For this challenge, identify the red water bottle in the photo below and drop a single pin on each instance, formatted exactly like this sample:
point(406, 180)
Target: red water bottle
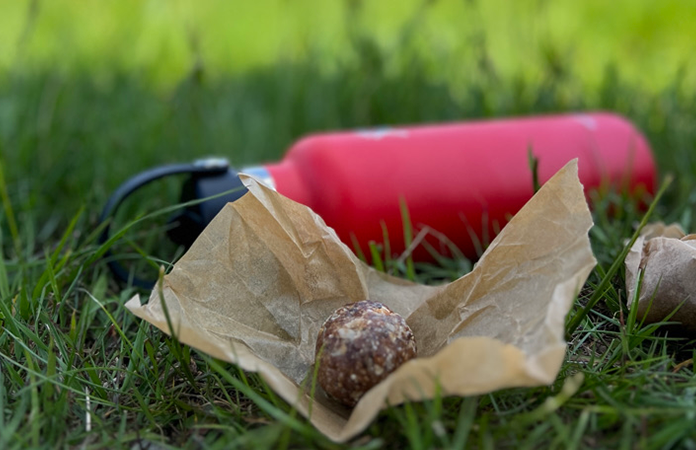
point(459, 180)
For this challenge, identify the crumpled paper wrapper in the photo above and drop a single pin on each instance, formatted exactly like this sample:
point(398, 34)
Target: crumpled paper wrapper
point(258, 283)
point(668, 259)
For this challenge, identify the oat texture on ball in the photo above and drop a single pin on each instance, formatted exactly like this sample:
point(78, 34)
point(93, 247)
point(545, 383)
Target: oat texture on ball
point(359, 346)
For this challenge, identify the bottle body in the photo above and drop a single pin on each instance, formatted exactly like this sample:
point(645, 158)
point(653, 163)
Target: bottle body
point(462, 181)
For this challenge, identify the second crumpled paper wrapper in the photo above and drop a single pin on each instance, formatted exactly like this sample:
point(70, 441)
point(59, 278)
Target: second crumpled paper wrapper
point(667, 257)
point(264, 275)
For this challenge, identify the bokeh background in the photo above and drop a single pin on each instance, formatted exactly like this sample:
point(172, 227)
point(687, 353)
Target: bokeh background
point(92, 92)
point(160, 41)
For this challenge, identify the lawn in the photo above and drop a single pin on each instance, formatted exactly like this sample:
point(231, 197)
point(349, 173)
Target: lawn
point(139, 84)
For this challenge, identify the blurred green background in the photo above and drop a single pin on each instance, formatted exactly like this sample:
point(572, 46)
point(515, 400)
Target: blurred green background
point(160, 40)
point(92, 92)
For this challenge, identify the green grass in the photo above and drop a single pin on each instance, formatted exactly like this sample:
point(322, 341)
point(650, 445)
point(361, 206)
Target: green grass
point(78, 371)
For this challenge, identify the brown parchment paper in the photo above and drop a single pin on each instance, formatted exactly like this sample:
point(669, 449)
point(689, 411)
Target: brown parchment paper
point(668, 259)
point(260, 280)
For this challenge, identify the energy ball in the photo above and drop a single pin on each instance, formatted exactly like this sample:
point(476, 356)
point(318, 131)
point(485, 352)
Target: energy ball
point(359, 346)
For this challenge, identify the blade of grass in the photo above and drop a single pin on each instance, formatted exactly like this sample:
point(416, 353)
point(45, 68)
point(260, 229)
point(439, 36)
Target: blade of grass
point(262, 403)
point(465, 422)
point(356, 248)
point(408, 238)
point(9, 211)
point(376, 257)
point(174, 344)
point(35, 404)
point(387, 246)
point(534, 167)
point(8, 432)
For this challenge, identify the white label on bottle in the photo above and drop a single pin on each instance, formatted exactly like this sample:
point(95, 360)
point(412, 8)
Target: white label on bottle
point(376, 134)
point(587, 121)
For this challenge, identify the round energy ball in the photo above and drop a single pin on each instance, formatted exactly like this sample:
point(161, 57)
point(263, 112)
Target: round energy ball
point(359, 346)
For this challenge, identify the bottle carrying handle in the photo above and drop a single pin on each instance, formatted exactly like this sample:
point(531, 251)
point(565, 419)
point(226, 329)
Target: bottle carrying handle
point(211, 167)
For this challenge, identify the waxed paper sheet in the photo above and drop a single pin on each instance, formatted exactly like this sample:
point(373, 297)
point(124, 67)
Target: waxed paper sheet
point(260, 280)
point(667, 257)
